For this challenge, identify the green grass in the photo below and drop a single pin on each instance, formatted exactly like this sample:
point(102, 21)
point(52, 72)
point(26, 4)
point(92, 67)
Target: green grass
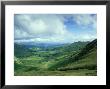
point(33, 67)
point(88, 61)
point(52, 63)
point(81, 72)
point(84, 67)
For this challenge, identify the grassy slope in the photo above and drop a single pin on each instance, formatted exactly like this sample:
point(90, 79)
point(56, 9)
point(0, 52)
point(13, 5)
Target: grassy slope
point(70, 58)
point(89, 62)
point(65, 65)
point(20, 51)
point(74, 69)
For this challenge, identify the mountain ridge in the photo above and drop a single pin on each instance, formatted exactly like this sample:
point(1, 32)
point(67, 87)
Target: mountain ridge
point(76, 57)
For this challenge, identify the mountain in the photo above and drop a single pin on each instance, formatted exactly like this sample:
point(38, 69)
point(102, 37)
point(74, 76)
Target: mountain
point(78, 58)
point(76, 46)
point(86, 58)
point(26, 49)
point(41, 45)
point(21, 51)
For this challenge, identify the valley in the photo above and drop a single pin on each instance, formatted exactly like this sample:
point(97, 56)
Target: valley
point(75, 59)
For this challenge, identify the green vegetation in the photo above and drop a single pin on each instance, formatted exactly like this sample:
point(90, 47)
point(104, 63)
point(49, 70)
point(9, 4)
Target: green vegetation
point(76, 59)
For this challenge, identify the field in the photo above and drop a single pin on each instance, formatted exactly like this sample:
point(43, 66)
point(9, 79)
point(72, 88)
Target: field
point(75, 59)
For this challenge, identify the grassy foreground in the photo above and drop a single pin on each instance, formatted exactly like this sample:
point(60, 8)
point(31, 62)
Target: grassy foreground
point(82, 63)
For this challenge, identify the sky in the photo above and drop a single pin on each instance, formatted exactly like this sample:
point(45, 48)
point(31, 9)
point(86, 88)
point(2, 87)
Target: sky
point(55, 28)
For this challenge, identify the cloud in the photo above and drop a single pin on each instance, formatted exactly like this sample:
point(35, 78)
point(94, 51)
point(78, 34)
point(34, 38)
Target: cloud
point(86, 20)
point(44, 25)
point(50, 27)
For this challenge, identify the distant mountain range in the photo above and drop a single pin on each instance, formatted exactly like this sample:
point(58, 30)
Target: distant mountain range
point(23, 49)
point(35, 44)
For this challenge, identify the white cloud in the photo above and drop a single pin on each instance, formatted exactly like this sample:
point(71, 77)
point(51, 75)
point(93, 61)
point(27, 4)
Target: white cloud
point(20, 34)
point(49, 28)
point(85, 20)
point(45, 25)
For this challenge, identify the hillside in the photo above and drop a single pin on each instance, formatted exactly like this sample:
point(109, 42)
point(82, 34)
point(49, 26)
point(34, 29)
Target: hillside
point(86, 62)
point(85, 59)
point(79, 58)
point(50, 52)
point(21, 51)
point(68, 48)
